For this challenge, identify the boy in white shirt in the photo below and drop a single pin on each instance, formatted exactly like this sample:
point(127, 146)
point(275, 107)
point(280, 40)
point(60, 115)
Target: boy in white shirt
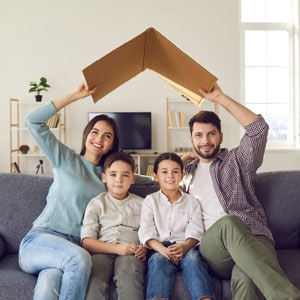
point(171, 226)
point(110, 233)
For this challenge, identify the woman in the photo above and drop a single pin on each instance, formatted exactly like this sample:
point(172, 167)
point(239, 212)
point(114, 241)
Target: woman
point(52, 248)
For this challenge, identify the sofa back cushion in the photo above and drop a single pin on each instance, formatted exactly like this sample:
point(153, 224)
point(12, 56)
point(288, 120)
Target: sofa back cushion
point(22, 198)
point(279, 193)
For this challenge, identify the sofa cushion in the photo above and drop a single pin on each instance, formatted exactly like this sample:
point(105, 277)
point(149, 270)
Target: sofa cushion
point(289, 260)
point(15, 284)
point(2, 246)
point(16, 218)
point(282, 205)
point(144, 189)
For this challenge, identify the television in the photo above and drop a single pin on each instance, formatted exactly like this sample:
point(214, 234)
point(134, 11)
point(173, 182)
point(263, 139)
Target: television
point(134, 127)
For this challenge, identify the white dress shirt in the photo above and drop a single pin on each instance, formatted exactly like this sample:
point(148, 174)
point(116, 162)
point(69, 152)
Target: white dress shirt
point(174, 222)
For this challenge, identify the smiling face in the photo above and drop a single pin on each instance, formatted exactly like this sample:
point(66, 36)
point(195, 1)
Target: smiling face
point(206, 140)
point(168, 175)
point(99, 141)
point(118, 178)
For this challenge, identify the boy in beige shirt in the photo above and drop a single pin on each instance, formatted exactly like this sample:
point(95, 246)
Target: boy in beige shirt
point(110, 234)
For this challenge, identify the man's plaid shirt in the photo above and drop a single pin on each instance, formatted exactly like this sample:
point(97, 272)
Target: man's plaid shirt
point(233, 173)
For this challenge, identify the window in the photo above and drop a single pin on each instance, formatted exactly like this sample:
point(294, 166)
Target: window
point(270, 41)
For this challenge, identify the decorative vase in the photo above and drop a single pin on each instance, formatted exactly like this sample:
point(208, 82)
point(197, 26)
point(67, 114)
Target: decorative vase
point(24, 149)
point(38, 98)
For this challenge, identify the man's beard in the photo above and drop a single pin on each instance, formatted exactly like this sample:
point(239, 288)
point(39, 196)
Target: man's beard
point(209, 155)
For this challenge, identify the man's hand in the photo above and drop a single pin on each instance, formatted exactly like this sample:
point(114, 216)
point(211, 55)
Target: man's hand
point(188, 155)
point(214, 94)
point(242, 114)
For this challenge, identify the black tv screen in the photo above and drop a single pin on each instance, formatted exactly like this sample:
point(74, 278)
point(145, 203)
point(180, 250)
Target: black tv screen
point(134, 128)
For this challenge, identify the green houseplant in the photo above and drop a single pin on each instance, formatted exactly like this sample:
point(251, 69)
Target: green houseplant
point(37, 88)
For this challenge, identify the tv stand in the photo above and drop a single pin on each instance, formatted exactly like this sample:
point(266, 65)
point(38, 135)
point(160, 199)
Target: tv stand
point(131, 152)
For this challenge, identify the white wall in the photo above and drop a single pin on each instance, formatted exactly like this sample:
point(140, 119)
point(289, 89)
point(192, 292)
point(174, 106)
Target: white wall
point(57, 39)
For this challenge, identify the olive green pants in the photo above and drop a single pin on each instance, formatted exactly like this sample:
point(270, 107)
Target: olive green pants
point(232, 251)
point(126, 271)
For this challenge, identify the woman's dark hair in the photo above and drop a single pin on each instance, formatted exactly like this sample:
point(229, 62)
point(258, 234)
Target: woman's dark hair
point(90, 125)
point(122, 156)
point(204, 116)
point(167, 156)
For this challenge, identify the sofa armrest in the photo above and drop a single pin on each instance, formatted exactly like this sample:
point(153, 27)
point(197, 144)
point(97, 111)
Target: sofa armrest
point(2, 247)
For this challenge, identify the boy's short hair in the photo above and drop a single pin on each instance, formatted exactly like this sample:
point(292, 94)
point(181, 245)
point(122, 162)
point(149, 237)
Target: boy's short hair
point(167, 156)
point(205, 116)
point(125, 157)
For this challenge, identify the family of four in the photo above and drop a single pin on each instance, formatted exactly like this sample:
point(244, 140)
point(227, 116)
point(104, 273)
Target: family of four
point(205, 214)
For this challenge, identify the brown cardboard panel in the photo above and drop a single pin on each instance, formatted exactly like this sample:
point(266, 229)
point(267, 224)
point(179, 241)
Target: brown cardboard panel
point(149, 50)
point(195, 98)
point(117, 67)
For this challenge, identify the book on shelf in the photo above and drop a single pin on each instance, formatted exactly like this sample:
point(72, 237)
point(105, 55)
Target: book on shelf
point(176, 119)
point(53, 121)
point(181, 119)
point(136, 168)
point(149, 170)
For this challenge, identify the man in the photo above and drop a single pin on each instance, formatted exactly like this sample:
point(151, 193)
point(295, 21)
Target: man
point(237, 242)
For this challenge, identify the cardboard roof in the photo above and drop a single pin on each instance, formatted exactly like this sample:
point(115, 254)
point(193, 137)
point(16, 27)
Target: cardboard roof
point(149, 50)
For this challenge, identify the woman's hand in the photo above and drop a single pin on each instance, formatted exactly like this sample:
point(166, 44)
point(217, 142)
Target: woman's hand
point(83, 91)
point(80, 92)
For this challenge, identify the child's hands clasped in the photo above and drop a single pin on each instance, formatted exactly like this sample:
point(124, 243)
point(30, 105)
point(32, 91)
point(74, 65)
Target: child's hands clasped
point(174, 252)
point(126, 249)
point(178, 250)
point(139, 251)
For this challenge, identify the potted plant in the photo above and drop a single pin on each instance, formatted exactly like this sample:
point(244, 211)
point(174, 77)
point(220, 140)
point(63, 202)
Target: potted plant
point(43, 85)
point(24, 149)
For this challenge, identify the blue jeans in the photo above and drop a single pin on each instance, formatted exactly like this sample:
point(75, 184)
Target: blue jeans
point(161, 275)
point(63, 267)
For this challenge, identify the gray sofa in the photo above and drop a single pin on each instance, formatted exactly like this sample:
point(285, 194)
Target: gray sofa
point(22, 198)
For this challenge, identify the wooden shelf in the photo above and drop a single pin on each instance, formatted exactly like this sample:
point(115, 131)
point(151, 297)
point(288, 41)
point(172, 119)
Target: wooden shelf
point(19, 134)
point(144, 161)
point(179, 111)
